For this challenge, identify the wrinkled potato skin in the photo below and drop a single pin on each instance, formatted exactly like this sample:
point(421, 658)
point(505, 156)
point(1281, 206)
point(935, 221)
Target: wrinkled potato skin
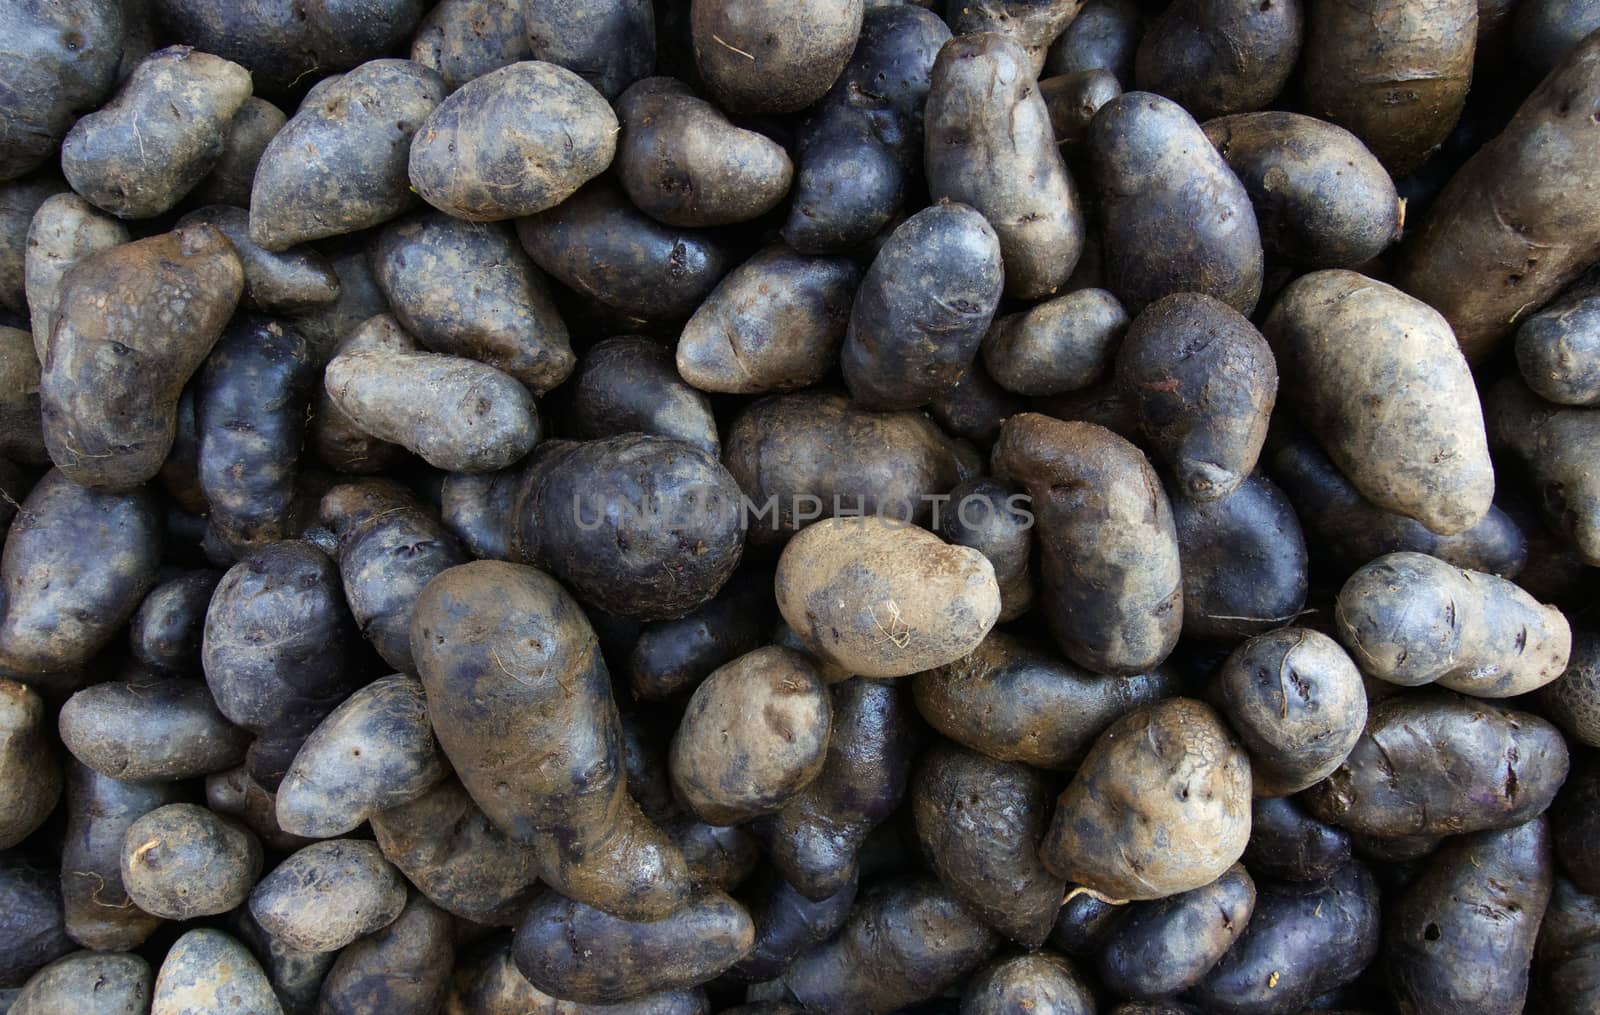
point(207, 971)
point(76, 564)
point(516, 141)
point(182, 861)
point(1243, 560)
point(327, 895)
point(1373, 375)
point(1108, 549)
point(62, 61)
point(144, 150)
point(989, 144)
point(1572, 700)
point(21, 432)
point(1031, 24)
point(772, 58)
point(991, 517)
point(165, 631)
point(30, 770)
point(1163, 948)
point(63, 231)
point(98, 913)
point(1434, 763)
point(1161, 805)
point(255, 124)
point(1288, 844)
point(1216, 57)
point(294, 281)
point(1040, 983)
point(671, 657)
point(1411, 619)
point(88, 984)
point(1158, 176)
point(1060, 345)
point(296, 976)
point(611, 43)
point(629, 385)
point(403, 968)
point(787, 924)
point(1554, 447)
point(109, 418)
point(145, 729)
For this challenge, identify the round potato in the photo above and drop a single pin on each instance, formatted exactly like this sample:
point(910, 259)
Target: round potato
point(328, 894)
point(772, 58)
point(182, 861)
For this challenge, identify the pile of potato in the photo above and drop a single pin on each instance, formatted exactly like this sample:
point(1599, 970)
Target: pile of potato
point(837, 506)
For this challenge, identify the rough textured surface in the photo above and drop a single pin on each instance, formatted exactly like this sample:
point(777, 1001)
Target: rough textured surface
point(403, 968)
point(181, 862)
point(328, 894)
point(1041, 983)
point(206, 972)
point(629, 385)
point(62, 59)
point(1056, 346)
point(146, 728)
point(1163, 948)
point(772, 58)
point(1553, 445)
point(64, 230)
point(30, 768)
point(88, 984)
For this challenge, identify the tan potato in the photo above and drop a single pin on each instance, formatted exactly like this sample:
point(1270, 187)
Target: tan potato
point(340, 442)
point(64, 230)
point(207, 971)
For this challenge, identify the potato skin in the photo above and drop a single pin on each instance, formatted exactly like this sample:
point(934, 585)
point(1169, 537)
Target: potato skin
point(97, 912)
point(88, 983)
point(207, 970)
point(476, 508)
point(1556, 347)
point(1161, 805)
point(182, 861)
point(1164, 947)
point(787, 924)
point(1411, 619)
point(1434, 763)
point(1158, 177)
point(1216, 57)
point(1288, 844)
point(1552, 444)
point(1572, 700)
point(922, 308)
point(989, 145)
point(65, 61)
point(486, 982)
point(466, 39)
point(75, 566)
point(19, 200)
point(1372, 374)
point(290, 282)
point(683, 950)
point(30, 769)
point(328, 894)
point(146, 728)
point(236, 794)
point(1572, 826)
point(64, 230)
point(629, 385)
point(1104, 36)
point(1043, 983)
point(403, 968)
point(611, 43)
point(774, 58)
point(1243, 561)
point(1110, 589)
point(1461, 936)
point(1060, 345)
point(1073, 99)
point(228, 183)
point(108, 419)
point(21, 424)
point(991, 517)
point(672, 657)
point(166, 629)
point(1031, 24)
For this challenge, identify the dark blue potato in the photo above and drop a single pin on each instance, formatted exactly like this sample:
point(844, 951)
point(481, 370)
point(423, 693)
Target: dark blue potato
point(992, 517)
point(1288, 844)
point(1302, 940)
point(328, 894)
point(1063, 344)
point(476, 508)
point(861, 145)
point(97, 911)
point(923, 308)
point(61, 59)
point(1104, 36)
point(671, 657)
point(166, 630)
point(1038, 984)
point(1085, 922)
point(629, 385)
point(1216, 57)
point(1575, 825)
point(787, 924)
point(228, 183)
point(466, 39)
point(1545, 31)
point(1243, 559)
point(1162, 948)
point(486, 982)
point(772, 58)
point(147, 728)
point(1073, 100)
point(1558, 348)
point(31, 930)
point(611, 43)
point(403, 969)
point(75, 566)
point(182, 861)
point(296, 976)
point(975, 408)
point(1567, 960)
point(294, 281)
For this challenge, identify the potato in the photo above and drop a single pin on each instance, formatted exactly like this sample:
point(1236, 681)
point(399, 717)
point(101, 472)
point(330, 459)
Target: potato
point(147, 728)
point(236, 794)
point(611, 43)
point(772, 59)
point(906, 942)
point(361, 128)
point(21, 432)
point(990, 146)
point(1216, 57)
point(465, 39)
point(640, 526)
point(63, 59)
point(922, 308)
point(166, 629)
point(813, 841)
point(1060, 345)
point(1556, 347)
point(860, 148)
point(1461, 936)
point(1550, 444)
point(1321, 198)
point(1372, 373)
point(253, 125)
point(1162, 948)
point(1411, 619)
point(682, 163)
point(1085, 922)
point(978, 823)
point(476, 508)
point(1347, 530)
point(600, 245)
point(520, 701)
point(457, 414)
point(19, 201)
point(1434, 763)
point(672, 657)
point(629, 385)
point(89, 984)
point(1072, 100)
point(787, 924)
point(1151, 165)
point(465, 289)
point(1545, 32)
point(817, 454)
point(207, 971)
point(108, 418)
point(31, 919)
point(296, 976)
point(515, 141)
point(719, 857)
point(159, 137)
point(1031, 24)
point(278, 650)
point(1572, 700)
point(1042, 983)
point(1104, 36)
point(1243, 561)
point(693, 945)
point(64, 230)
point(992, 518)
point(290, 282)
point(456, 857)
point(97, 911)
point(1161, 805)
point(1110, 587)
point(328, 894)
point(1565, 959)
point(76, 564)
point(30, 772)
point(774, 323)
point(1288, 844)
point(182, 861)
point(486, 982)
point(359, 300)
point(1315, 937)
point(1572, 821)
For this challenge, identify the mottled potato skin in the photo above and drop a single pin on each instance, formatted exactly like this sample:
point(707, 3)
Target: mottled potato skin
point(1041, 983)
point(328, 894)
point(238, 795)
point(1243, 560)
point(1294, 740)
point(515, 141)
point(1461, 937)
point(1395, 74)
point(1059, 345)
point(296, 976)
point(146, 728)
point(148, 147)
point(1554, 447)
point(990, 145)
point(906, 942)
point(1434, 763)
point(466, 39)
point(135, 322)
point(979, 822)
point(182, 861)
point(62, 60)
point(96, 908)
point(629, 385)
point(75, 566)
point(1161, 805)
point(813, 841)
point(403, 968)
point(1216, 57)
point(1373, 374)
point(1031, 24)
point(1412, 619)
point(253, 125)
point(787, 924)
point(208, 971)
point(521, 703)
point(290, 282)
point(361, 126)
point(1158, 177)
point(89, 984)
point(1315, 936)
point(772, 58)
point(1288, 844)
point(21, 433)
point(1557, 348)
point(64, 230)
point(1108, 550)
point(1321, 198)
point(30, 772)
point(611, 43)
point(922, 308)
point(557, 937)
point(340, 443)
point(1162, 948)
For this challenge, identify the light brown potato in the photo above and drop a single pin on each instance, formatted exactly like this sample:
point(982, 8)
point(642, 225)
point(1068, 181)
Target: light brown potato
point(340, 442)
point(30, 766)
point(64, 230)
